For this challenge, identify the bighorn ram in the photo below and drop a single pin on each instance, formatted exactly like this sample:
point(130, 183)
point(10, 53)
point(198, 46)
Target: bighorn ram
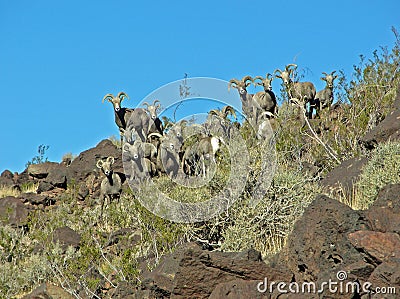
point(304, 92)
point(111, 185)
point(220, 124)
point(324, 97)
point(266, 99)
point(155, 124)
point(121, 114)
point(136, 119)
point(201, 154)
point(248, 104)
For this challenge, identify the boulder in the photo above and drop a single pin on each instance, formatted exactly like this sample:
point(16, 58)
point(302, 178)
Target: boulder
point(238, 289)
point(40, 171)
point(85, 164)
point(48, 291)
point(379, 246)
point(388, 129)
point(343, 176)
point(7, 179)
point(318, 245)
point(191, 272)
point(66, 237)
point(13, 211)
point(384, 213)
point(35, 199)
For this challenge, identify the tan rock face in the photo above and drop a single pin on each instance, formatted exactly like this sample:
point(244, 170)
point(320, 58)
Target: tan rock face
point(381, 246)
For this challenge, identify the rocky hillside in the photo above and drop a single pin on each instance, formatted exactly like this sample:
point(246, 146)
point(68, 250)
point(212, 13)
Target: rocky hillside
point(328, 227)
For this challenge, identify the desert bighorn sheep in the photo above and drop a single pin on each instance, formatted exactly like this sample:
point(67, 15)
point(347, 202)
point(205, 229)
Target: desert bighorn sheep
point(155, 124)
point(111, 185)
point(266, 99)
point(304, 92)
point(220, 124)
point(324, 97)
point(138, 167)
point(121, 114)
point(168, 154)
point(201, 154)
point(248, 104)
point(136, 119)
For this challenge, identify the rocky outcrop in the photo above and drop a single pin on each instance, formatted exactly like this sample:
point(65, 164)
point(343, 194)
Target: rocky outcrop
point(191, 272)
point(388, 129)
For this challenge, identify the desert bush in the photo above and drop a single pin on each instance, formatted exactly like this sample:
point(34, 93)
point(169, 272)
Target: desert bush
point(266, 226)
point(383, 168)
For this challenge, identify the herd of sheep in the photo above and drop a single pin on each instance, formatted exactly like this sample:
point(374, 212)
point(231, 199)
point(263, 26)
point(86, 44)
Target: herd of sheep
point(151, 147)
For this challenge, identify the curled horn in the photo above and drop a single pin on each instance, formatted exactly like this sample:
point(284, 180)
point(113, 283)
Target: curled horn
point(233, 81)
point(269, 76)
point(155, 134)
point(247, 78)
point(258, 78)
point(98, 164)
point(158, 106)
point(278, 71)
point(214, 112)
point(326, 74)
point(290, 65)
point(122, 95)
point(183, 121)
point(229, 109)
point(146, 104)
point(108, 96)
point(110, 160)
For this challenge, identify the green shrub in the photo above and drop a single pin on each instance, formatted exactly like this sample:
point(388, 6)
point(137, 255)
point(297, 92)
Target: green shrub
point(383, 168)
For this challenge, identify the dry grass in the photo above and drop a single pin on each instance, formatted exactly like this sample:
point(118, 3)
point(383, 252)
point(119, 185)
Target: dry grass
point(11, 191)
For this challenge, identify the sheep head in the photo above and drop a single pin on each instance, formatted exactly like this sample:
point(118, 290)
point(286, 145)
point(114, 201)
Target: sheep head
point(329, 78)
point(240, 85)
point(134, 151)
point(285, 75)
point(152, 109)
point(116, 101)
point(266, 83)
point(105, 166)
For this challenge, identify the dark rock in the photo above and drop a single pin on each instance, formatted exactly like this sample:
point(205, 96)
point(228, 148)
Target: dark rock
point(13, 211)
point(48, 291)
point(380, 246)
point(35, 199)
point(44, 187)
point(41, 170)
point(85, 164)
point(343, 177)
point(388, 129)
point(58, 177)
point(318, 244)
point(384, 213)
point(66, 237)
point(359, 270)
point(194, 273)
point(123, 290)
point(238, 289)
point(386, 275)
point(7, 179)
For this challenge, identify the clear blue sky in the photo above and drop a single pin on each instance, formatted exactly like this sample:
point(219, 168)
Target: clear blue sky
point(59, 58)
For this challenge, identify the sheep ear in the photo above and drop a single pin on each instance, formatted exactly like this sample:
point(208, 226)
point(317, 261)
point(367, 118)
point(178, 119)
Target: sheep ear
point(111, 160)
point(99, 164)
point(323, 78)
